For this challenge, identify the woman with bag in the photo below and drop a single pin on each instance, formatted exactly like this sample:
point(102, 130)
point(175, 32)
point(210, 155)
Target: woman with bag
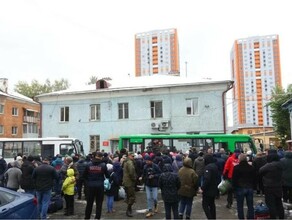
point(114, 185)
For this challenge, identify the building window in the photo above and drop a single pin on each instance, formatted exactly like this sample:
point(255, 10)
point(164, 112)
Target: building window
point(95, 112)
point(30, 128)
point(192, 106)
point(15, 111)
point(1, 129)
point(94, 143)
point(64, 114)
point(156, 109)
point(1, 108)
point(123, 110)
point(14, 130)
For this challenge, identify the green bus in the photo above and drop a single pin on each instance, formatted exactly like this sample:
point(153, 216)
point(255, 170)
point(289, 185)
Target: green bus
point(184, 142)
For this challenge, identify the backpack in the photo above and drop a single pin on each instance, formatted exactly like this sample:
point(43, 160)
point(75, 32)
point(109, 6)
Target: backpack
point(55, 204)
point(106, 183)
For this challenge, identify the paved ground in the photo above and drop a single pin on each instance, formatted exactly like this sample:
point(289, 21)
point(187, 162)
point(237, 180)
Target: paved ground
point(139, 209)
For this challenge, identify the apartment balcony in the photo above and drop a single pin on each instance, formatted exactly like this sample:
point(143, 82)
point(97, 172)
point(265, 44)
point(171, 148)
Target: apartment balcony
point(30, 119)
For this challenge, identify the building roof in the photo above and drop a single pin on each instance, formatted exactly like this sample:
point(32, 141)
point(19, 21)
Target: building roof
point(287, 104)
point(142, 82)
point(16, 95)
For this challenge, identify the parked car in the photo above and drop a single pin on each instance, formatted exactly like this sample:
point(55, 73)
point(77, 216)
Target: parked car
point(16, 205)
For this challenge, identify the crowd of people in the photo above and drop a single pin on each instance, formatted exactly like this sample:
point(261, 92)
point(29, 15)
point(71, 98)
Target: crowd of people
point(179, 176)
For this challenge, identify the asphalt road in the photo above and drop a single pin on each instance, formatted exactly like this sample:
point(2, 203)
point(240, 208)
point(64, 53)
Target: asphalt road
point(139, 209)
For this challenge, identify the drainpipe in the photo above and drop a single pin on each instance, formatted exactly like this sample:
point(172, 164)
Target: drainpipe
point(41, 116)
point(229, 86)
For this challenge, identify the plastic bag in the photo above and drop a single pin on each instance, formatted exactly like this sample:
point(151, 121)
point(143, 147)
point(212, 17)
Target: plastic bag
point(106, 184)
point(224, 186)
point(21, 190)
point(122, 193)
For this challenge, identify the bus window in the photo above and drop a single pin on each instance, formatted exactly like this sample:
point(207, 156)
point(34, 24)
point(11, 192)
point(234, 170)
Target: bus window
point(223, 145)
point(32, 148)
point(244, 147)
point(11, 149)
point(66, 149)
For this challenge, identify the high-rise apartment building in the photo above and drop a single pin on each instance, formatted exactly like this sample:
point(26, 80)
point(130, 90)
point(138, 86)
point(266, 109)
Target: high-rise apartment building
point(256, 70)
point(157, 52)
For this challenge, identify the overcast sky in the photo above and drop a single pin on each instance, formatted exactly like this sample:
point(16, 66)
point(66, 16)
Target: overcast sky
point(76, 39)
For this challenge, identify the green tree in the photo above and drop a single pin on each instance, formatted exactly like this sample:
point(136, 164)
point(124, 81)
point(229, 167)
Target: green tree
point(36, 88)
point(281, 117)
point(92, 80)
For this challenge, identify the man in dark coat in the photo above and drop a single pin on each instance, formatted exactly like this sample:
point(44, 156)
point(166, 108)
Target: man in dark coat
point(287, 176)
point(272, 180)
point(169, 184)
point(209, 186)
point(95, 173)
point(26, 181)
point(81, 183)
point(44, 176)
point(3, 167)
point(244, 180)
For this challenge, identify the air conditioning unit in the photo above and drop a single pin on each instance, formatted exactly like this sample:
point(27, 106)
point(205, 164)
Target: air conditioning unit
point(165, 124)
point(154, 125)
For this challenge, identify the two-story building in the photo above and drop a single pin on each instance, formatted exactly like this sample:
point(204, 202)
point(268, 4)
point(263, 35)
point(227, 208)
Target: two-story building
point(19, 115)
point(99, 114)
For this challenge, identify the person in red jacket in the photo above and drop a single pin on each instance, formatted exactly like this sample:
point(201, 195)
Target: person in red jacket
point(228, 173)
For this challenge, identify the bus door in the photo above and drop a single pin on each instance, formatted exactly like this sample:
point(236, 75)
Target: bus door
point(48, 151)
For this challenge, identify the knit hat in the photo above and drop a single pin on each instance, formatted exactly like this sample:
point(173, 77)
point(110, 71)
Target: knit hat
point(109, 167)
point(147, 157)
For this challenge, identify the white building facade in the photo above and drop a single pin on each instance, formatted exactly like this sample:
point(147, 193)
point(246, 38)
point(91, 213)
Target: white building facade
point(99, 114)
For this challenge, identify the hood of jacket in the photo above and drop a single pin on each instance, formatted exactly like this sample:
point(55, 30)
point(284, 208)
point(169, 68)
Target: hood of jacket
point(188, 162)
point(70, 172)
point(167, 168)
point(209, 159)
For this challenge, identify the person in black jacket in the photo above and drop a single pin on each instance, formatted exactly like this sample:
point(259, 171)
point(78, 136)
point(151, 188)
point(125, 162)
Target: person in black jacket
point(81, 183)
point(209, 186)
point(151, 173)
point(44, 176)
point(94, 174)
point(243, 181)
point(169, 184)
point(26, 181)
point(113, 179)
point(272, 181)
point(3, 167)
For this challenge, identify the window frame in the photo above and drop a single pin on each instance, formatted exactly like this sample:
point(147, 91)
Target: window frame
point(96, 113)
point(190, 104)
point(94, 143)
point(14, 111)
point(14, 130)
point(2, 108)
point(64, 114)
point(155, 112)
point(123, 110)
